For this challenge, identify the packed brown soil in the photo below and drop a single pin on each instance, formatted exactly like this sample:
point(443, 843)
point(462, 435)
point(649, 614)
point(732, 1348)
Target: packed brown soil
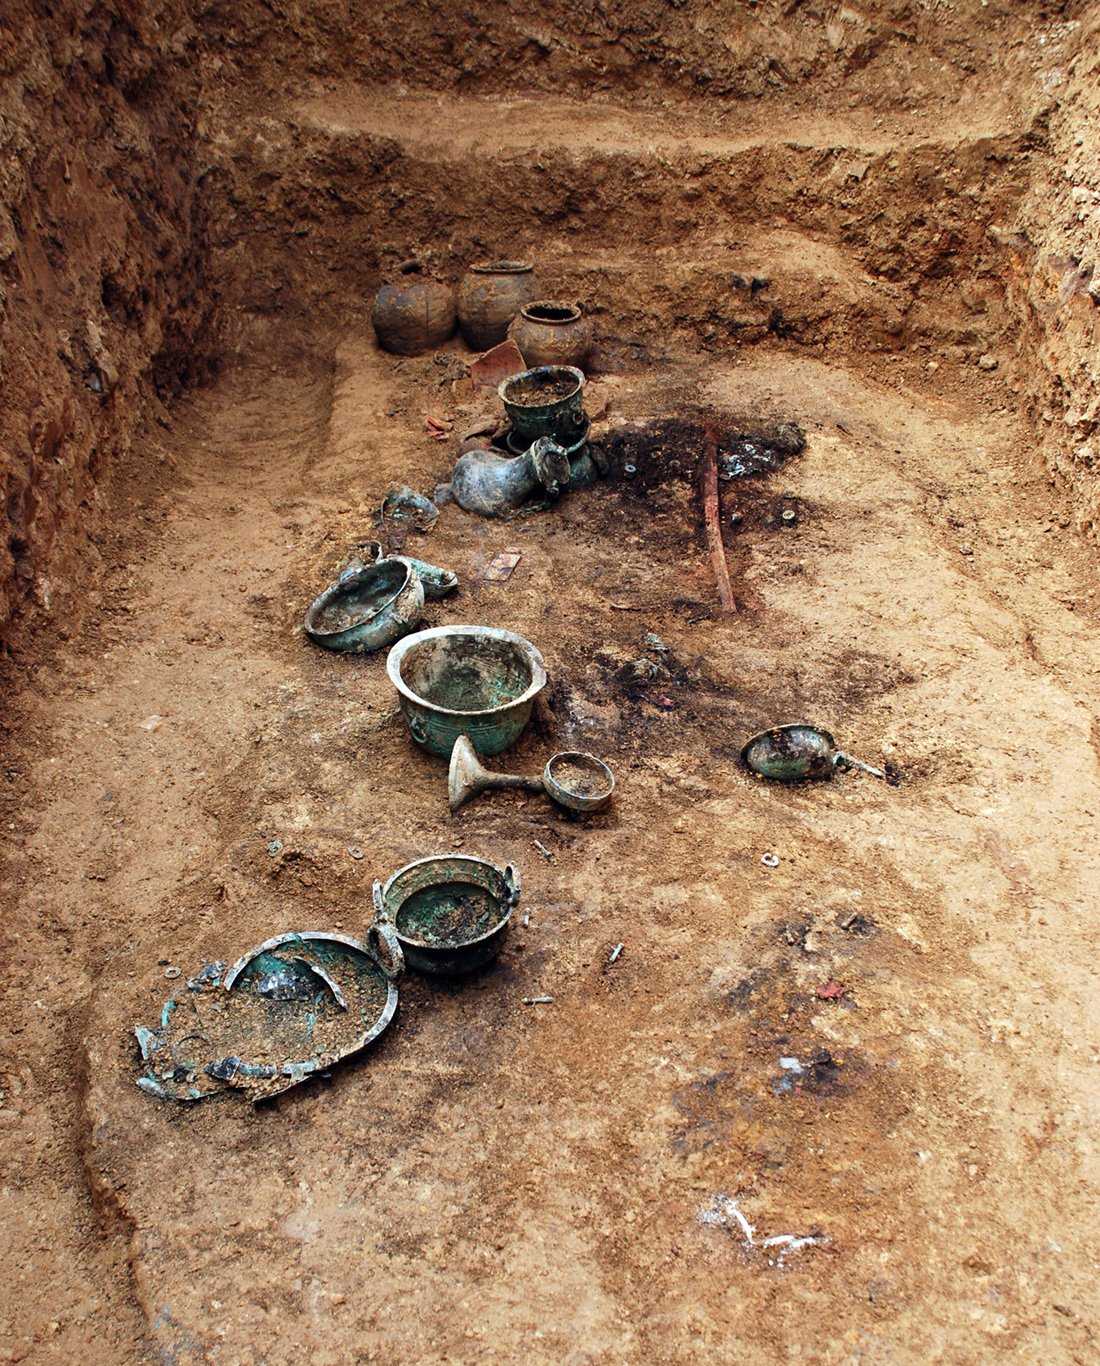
point(102, 307)
point(559, 1182)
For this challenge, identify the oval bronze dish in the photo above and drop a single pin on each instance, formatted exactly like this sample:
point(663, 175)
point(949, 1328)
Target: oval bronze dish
point(369, 608)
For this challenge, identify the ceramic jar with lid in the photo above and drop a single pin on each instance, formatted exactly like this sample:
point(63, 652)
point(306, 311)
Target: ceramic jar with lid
point(490, 297)
point(549, 332)
point(414, 311)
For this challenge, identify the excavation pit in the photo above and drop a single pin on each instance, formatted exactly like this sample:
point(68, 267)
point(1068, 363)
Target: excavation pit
point(883, 227)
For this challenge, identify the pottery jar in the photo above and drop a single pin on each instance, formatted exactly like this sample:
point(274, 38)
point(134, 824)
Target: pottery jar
point(413, 312)
point(548, 332)
point(490, 297)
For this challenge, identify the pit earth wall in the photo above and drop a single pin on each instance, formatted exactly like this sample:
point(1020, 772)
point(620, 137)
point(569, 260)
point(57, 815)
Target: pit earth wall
point(102, 304)
point(141, 207)
point(1055, 290)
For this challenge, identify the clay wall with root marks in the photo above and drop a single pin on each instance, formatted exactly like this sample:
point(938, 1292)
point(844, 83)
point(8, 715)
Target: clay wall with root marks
point(902, 50)
point(1055, 283)
point(102, 302)
point(169, 165)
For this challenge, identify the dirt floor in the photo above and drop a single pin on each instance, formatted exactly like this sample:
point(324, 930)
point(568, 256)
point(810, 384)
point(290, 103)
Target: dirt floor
point(840, 1109)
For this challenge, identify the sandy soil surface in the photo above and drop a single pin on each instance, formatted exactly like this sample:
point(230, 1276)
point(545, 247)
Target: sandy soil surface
point(508, 125)
point(882, 1052)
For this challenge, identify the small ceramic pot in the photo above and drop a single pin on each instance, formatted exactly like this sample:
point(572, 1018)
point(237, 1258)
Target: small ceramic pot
point(552, 333)
point(490, 297)
point(414, 312)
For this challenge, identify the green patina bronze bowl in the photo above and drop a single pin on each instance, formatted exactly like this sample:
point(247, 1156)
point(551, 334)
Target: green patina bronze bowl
point(466, 680)
point(450, 913)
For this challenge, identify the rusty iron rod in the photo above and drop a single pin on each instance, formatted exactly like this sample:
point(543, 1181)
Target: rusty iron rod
point(708, 467)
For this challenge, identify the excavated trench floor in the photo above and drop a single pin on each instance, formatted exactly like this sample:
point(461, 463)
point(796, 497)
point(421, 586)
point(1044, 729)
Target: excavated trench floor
point(880, 1052)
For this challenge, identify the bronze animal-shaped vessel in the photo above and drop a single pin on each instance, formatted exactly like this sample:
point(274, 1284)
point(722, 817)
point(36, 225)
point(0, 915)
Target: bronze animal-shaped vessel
point(494, 485)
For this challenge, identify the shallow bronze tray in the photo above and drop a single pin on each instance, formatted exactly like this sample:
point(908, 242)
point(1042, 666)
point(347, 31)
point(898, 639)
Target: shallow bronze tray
point(290, 1008)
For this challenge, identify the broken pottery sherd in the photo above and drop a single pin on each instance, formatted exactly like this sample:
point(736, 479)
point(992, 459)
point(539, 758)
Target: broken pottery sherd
point(496, 365)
